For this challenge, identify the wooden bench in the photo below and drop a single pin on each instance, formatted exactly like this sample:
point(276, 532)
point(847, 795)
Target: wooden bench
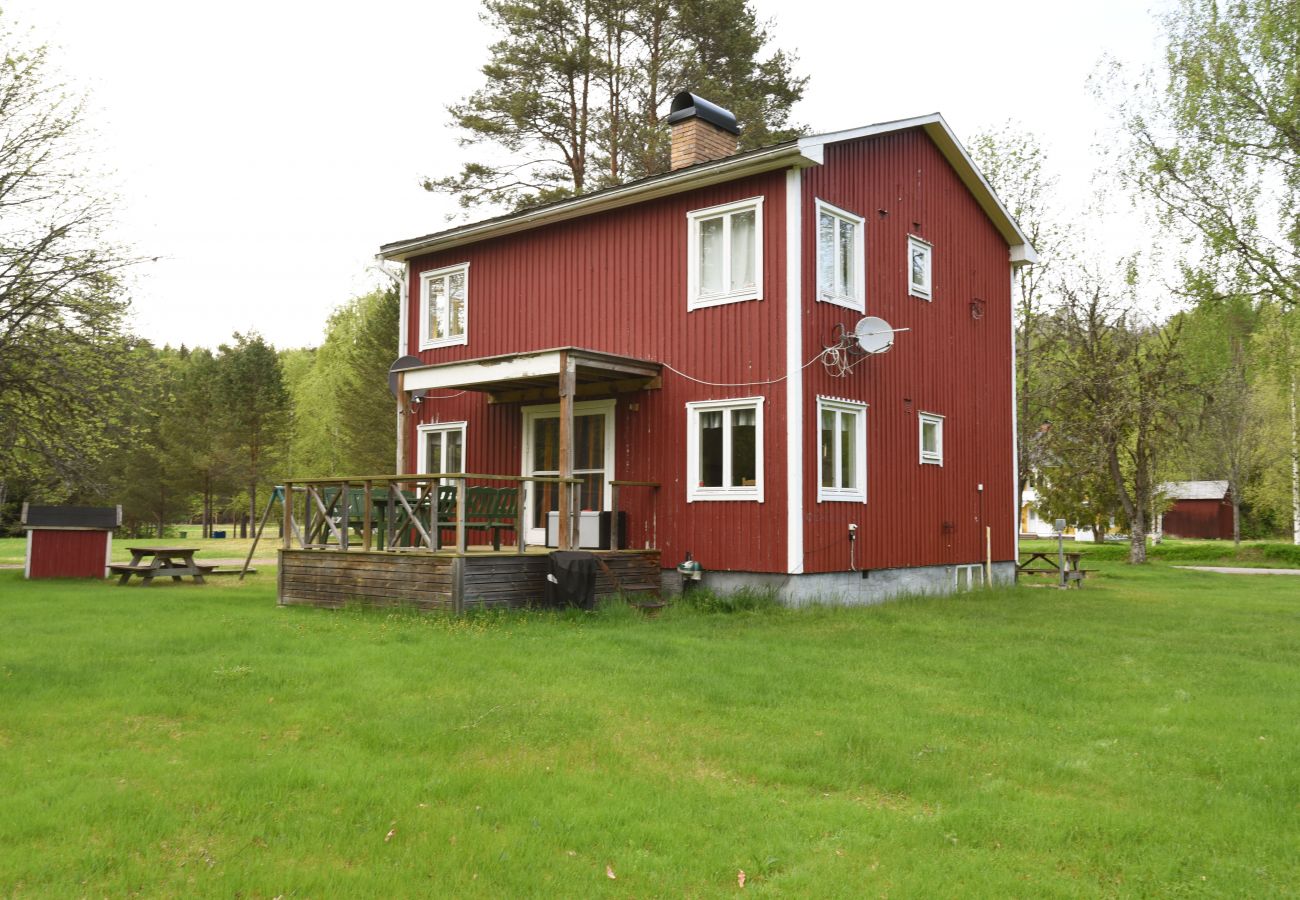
point(487, 509)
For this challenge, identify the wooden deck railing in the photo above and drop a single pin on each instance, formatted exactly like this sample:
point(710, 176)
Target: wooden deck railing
point(407, 511)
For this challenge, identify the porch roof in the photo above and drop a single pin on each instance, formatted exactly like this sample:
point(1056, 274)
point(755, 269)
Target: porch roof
point(534, 375)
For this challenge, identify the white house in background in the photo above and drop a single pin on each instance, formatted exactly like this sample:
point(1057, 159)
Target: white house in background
point(1033, 526)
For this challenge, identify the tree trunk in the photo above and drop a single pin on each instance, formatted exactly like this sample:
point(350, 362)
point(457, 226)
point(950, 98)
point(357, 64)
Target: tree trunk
point(1137, 539)
point(1099, 531)
point(1295, 469)
point(1236, 521)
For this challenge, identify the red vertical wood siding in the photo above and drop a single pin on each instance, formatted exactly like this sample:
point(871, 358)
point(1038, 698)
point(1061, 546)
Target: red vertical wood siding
point(68, 554)
point(616, 282)
point(1199, 519)
point(949, 363)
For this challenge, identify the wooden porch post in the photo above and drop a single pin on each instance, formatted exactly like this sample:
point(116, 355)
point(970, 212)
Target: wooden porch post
point(568, 383)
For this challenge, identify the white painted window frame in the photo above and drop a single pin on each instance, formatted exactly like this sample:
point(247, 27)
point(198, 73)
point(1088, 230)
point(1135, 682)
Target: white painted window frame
point(974, 573)
point(425, 434)
point(922, 419)
point(859, 412)
point(922, 293)
point(451, 340)
point(856, 298)
point(694, 299)
point(694, 491)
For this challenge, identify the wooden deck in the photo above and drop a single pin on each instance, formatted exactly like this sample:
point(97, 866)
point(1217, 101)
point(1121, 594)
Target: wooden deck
point(445, 582)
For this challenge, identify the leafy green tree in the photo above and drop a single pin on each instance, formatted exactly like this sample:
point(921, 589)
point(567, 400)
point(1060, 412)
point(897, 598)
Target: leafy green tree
point(62, 344)
point(1121, 390)
point(343, 412)
point(254, 410)
point(573, 90)
point(1015, 164)
point(1213, 145)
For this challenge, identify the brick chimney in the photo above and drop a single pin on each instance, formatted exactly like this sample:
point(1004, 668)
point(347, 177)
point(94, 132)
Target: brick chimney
point(701, 131)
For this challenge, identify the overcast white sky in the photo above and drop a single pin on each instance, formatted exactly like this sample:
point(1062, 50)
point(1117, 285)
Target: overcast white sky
point(264, 150)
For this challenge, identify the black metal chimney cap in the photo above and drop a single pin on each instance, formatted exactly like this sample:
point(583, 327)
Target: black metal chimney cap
point(686, 106)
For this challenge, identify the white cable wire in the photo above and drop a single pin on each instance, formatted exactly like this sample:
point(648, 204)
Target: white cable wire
point(744, 383)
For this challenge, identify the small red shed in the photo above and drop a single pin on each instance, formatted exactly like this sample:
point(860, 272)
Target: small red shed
point(69, 541)
point(1201, 509)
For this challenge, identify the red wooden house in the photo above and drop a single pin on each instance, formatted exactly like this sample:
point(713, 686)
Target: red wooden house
point(667, 341)
point(1197, 509)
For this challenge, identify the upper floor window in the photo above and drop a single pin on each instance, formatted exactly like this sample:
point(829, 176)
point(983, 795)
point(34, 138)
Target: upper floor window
point(724, 450)
point(444, 307)
point(842, 466)
point(931, 438)
point(918, 267)
point(725, 246)
point(841, 257)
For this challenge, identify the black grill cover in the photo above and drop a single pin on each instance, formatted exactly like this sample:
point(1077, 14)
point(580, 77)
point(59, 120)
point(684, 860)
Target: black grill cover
point(571, 579)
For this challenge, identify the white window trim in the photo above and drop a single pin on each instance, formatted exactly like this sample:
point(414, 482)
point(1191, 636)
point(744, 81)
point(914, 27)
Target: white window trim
point(694, 492)
point(859, 493)
point(912, 289)
point(426, 342)
point(922, 418)
point(857, 298)
point(974, 573)
point(693, 299)
point(425, 433)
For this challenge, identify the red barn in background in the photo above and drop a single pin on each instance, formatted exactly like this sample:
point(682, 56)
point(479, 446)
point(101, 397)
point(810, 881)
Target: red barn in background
point(69, 541)
point(1201, 509)
point(706, 319)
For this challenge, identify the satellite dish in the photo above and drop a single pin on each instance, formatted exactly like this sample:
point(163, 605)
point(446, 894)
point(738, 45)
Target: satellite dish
point(873, 334)
point(399, 364)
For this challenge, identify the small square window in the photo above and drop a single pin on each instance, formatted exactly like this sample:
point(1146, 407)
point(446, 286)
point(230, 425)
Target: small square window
point(725, 247)
point(841, 257)
point(444, 306)
point(842, 439)
point(724, 450)
point(931, 438)
point(919, 282)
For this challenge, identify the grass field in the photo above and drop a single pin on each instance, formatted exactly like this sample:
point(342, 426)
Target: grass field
point(13, 550)
point(1137, 737)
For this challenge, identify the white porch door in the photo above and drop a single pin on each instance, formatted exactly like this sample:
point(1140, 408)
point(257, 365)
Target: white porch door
point(593, 459)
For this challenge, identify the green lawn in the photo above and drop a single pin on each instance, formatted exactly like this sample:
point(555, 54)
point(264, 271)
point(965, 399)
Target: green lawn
point(1138, 737)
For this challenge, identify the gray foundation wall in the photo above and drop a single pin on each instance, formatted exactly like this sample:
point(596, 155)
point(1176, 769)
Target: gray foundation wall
point(844, 588)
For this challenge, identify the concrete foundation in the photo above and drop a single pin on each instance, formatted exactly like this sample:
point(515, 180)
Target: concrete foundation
point(851, 588)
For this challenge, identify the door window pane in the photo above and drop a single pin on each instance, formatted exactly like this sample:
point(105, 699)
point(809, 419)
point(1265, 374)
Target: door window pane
point(588, 441)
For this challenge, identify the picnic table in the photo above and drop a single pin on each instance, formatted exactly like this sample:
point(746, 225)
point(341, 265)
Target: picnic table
point(1046, 564)
point(176, 562)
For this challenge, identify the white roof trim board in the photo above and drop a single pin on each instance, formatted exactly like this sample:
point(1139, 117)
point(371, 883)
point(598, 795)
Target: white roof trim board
point(1194, 490)
point(801, 153)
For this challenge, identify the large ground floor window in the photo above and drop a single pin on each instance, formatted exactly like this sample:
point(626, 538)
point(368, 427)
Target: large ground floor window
point(724, 449)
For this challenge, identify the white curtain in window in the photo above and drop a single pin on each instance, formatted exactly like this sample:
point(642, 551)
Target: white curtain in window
point(711, 250)
point(742, 250)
